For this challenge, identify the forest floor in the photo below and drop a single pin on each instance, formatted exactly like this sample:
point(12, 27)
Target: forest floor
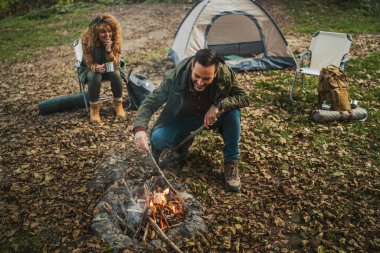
point(303, 189)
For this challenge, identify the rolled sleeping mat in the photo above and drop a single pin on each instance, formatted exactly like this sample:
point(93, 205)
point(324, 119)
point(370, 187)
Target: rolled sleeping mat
point(357, 114)
point(62, 103)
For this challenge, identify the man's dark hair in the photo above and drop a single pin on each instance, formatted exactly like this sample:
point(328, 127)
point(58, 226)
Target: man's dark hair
point(206, 57)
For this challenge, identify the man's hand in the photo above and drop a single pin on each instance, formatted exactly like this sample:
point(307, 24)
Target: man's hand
point(211, 116)
point(141, 141)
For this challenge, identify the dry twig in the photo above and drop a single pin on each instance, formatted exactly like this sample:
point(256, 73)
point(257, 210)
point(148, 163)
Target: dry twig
point(109, 210)
point(191, 135)
point(143, 220)
point(163, 175)
point(163, 236)
point(146, 232)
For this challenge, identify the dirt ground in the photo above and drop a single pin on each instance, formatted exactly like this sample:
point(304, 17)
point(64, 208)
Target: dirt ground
point(46, 161)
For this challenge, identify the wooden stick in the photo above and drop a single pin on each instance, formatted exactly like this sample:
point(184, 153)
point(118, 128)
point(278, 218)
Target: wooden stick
point(127, 188)
point(126, 215)
point(191, 135)
point(122, 207)
point(175, 225)
point(106, 207)
point(166, 180)
point(163, 236)
point(163, 216)
point(146, 232)
point(143, 220)
point(163, 175)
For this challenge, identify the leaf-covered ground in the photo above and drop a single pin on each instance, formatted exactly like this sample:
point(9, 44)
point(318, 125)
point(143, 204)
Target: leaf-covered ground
point(307, 187)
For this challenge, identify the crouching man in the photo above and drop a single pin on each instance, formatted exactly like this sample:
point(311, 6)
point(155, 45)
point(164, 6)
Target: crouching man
point(200, 90)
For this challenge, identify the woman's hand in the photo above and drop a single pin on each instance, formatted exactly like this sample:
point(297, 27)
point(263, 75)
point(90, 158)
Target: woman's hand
point(108, 46)
point(100, 68)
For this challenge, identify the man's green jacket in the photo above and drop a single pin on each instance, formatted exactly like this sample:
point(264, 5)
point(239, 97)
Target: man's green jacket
point(224, 88)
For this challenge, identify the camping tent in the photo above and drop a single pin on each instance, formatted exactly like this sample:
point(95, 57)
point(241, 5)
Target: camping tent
point(240, 31)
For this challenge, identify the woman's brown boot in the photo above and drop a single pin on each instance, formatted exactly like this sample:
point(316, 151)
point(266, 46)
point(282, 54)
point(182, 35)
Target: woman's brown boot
point(94, 112)
point(119, 110)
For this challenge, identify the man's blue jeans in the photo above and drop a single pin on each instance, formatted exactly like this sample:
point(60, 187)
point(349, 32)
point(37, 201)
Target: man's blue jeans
point(171, 134)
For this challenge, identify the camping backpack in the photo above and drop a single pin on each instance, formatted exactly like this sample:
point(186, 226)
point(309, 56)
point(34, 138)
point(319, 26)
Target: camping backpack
point(332, 89)
point(138, 87)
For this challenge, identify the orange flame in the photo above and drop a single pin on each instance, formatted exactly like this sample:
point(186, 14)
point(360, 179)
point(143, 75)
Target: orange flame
point(161, 206)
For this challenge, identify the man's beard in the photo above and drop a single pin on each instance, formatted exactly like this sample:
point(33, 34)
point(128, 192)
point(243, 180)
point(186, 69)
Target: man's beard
point(195, 86)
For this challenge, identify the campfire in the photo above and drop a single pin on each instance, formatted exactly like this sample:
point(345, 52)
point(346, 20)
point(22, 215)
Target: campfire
point(141, 214)
point(162, 209)
point(151, 213)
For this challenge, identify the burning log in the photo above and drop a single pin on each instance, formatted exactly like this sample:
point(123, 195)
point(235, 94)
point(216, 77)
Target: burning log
point(163, 236)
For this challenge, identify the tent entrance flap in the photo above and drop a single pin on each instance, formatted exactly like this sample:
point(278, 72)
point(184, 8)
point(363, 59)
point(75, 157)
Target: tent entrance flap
point(225, 39)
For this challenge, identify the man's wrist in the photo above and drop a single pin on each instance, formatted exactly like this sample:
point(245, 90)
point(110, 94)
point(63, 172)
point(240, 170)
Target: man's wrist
point(218, 105)
point(138, 129)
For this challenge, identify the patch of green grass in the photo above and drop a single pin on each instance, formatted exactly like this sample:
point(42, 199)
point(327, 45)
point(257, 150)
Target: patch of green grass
point(157, 55)
point(40, 29)
point(327, 15)
point(365, 68)
point(365, 76)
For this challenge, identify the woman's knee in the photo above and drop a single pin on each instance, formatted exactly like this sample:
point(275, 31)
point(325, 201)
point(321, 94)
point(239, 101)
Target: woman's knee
point(94, 77)
point(114, 75)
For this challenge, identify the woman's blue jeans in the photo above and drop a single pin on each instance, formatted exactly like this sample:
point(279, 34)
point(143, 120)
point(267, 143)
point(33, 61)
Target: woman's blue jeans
point(171, 134)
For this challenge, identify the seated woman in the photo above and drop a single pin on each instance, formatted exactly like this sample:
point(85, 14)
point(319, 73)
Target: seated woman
point(101, 43)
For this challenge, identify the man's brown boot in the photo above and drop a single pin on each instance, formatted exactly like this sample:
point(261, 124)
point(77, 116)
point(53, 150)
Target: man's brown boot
point(119, 110)
point(94, 112)
point(231, 175)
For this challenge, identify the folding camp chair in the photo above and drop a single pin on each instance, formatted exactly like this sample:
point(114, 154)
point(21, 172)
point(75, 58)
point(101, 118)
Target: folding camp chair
point(82, 80)
point(326, 48)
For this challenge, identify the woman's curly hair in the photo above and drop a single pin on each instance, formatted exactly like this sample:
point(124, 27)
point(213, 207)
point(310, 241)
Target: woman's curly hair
point(90, 35)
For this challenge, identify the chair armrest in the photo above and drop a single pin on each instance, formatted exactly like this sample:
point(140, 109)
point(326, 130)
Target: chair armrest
point(303, 56)
point(77, 64)
point(78, 50)
point(345, 59)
